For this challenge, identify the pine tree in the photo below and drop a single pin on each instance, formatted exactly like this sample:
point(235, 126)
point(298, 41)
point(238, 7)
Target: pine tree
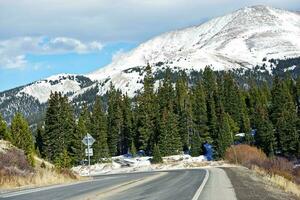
point(63, 160)
point(297, 90)
point(166, 94)
point(22, 136)
point(114, 121)
point(77, 147)
point(99, 131)
point(4, 132)
point(196, 145)
point(210, 88)
point(184, 110)
point(146, 113)
point(264, 136)
point(127, 126)
point(59, 126)
point(156, 155)
point(284, 118)
point(200, 114)
point(169, 138)
point(67, 124)
point(224, 137)
point(40, 132)
point(133, 149)
point(232, 98)
point(52, 126)
point(245, 121)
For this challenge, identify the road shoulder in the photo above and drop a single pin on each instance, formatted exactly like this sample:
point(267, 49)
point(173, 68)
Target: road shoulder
point(218, 186)
point(248, 186)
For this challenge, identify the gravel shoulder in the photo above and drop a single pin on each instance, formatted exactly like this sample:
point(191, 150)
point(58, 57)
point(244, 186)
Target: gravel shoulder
point(248, 185)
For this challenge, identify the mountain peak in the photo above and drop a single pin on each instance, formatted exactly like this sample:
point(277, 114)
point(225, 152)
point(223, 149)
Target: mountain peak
point(237, 40)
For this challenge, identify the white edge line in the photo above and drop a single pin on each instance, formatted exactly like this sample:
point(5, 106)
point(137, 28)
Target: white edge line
point(198, 192)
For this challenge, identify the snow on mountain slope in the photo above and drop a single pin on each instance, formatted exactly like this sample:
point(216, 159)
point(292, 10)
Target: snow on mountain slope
point(241, 39)
point(67, 84)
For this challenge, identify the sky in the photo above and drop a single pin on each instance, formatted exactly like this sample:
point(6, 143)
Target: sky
point(46, 37)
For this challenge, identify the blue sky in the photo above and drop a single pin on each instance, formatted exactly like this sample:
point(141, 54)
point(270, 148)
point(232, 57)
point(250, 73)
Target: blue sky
point(43, 66)
point(46, 37)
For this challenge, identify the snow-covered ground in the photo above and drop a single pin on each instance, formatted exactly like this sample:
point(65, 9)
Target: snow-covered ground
point(4, 146)
point(122, 164)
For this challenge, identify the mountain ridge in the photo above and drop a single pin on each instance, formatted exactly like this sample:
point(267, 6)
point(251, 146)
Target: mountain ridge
point(242, 40)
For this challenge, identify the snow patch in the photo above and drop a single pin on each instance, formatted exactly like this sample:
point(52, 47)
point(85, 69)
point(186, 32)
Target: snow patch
point(123, 164)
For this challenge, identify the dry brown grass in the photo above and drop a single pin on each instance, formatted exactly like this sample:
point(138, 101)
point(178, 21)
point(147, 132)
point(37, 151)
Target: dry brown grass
point(40, 178)
point(280, 181)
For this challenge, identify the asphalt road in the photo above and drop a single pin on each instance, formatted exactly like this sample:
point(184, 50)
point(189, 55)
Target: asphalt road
point(175, 185)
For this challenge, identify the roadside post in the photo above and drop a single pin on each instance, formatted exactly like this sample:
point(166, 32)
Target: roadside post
point(88, 140)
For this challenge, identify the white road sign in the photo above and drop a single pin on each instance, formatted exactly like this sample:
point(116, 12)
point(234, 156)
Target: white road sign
point(89, 152)
point(88, 140)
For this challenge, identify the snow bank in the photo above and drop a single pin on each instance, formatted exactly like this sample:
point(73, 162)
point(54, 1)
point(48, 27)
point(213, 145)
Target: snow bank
point(123, 164)
point(4, 146)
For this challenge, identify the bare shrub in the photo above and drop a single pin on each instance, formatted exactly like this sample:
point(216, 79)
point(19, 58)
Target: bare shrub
point(13, 161)
point(67, 173)
point(280, 166)
point(254, 158)
point(245, 155)
point(296, 173)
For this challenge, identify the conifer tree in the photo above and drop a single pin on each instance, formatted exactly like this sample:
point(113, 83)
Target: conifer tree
point(67, 124)
point(22, 136)
point(284, 118)
point(169, 138)
point(40, 132)
point(77, 147)
point(133, 149)
point(232, 98)
point(127, 126)
point(184, 110)
point(264, 136)
point(146, 113)
point(59, 126)
point(99, 131)
point(245, 121)
point(200, 114)
point(4, 132)
point(156, 155)
point(166, 94)
point(210, 87)
point(63, 160)
point(52, 126)
point(196, 145)
point(114, 121)
point(224, 136)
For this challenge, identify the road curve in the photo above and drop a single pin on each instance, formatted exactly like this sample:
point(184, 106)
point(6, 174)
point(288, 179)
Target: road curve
point(176, 185)
point(179, 184)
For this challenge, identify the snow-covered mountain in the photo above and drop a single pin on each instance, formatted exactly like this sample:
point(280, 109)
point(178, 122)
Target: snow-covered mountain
point(249, 37)
point(243, 39)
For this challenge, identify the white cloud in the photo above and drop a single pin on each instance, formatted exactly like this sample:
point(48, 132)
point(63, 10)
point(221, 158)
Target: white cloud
point(12, 62)
point(13, 51)
point(113, 20)
point(64, 44)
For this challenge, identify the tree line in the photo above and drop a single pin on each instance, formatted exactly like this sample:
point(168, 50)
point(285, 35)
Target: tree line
point(177, 116)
